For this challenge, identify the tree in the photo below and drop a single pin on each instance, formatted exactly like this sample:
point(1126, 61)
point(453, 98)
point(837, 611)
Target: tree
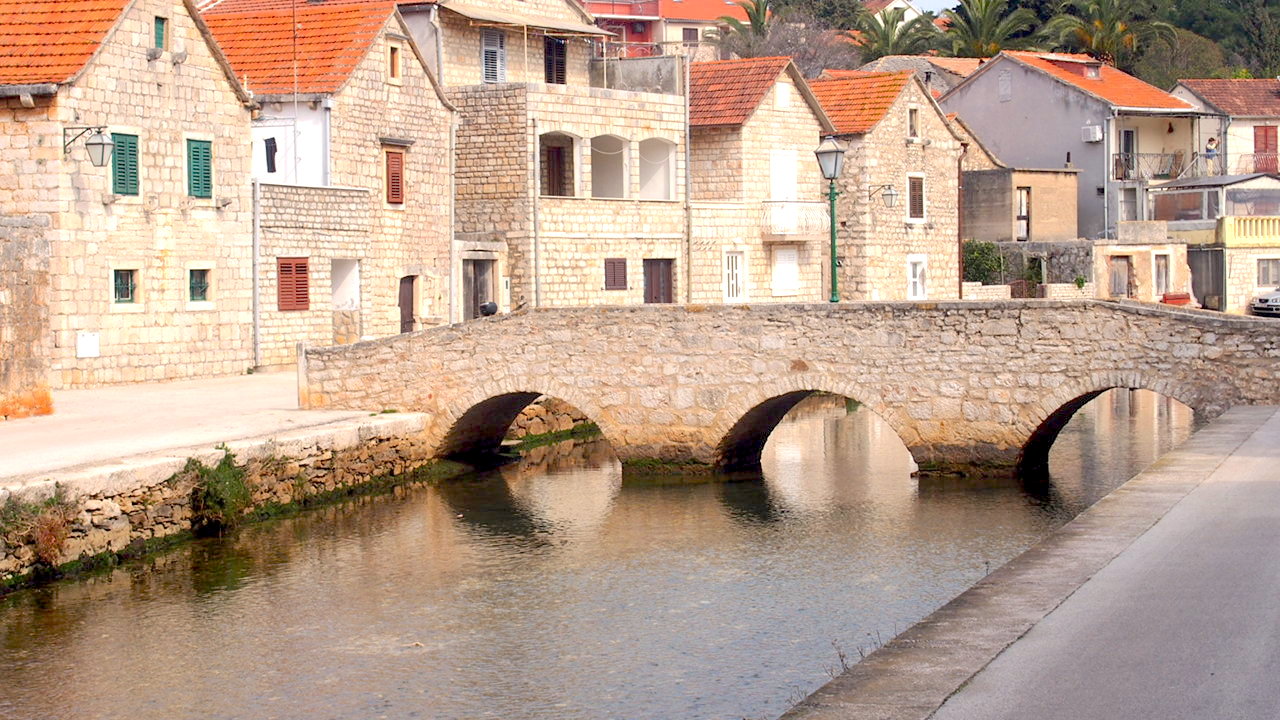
point(833, 14)
point(792, 33)
point(1260, 35)
point(1189, 56)
point(982, 28)
point(889, 33)
point(742, 38)
point(1113, 31)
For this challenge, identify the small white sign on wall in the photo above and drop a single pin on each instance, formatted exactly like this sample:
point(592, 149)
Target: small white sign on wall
point(88, 345)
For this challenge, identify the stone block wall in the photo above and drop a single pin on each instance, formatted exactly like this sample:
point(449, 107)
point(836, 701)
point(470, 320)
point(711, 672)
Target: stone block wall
point(717, 160)
point(462, 65)
point(1142, 276)
point(1067, 291)
point(24, 314)
point(1061, 262)
point(1240, 265)
point(721, 228)
point(978, 291)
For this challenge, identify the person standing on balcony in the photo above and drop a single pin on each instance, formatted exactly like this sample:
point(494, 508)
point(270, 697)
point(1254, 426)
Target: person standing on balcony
point(1211, 156)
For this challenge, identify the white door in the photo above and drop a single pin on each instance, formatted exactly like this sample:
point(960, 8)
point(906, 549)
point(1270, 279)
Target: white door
point(786, 271)
point(734, 280)
point(917, 287)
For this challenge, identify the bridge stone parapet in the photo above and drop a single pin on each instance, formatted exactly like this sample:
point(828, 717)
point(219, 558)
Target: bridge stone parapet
point(960, 382)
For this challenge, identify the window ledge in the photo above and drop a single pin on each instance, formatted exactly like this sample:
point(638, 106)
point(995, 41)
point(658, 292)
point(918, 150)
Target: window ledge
point(917, 221)
point(200, 306)
point(118, 307)
point(785, 293)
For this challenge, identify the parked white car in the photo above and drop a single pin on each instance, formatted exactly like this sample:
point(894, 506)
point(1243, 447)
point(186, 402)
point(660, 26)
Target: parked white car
point(1267, 304)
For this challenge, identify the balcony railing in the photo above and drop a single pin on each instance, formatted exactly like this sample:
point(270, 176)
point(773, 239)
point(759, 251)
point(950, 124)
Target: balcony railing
point(1250, 230)
point(1164, 166)
point(792, 220)
point(637, 8)
point(1257, 163)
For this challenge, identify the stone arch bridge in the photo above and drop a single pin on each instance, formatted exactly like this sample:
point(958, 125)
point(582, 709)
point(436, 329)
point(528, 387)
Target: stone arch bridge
point(960, 382)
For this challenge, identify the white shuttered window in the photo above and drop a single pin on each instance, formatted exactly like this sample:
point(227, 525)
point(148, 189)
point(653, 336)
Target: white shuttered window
point(493, 55)
point(734, 285)
point(786, 271)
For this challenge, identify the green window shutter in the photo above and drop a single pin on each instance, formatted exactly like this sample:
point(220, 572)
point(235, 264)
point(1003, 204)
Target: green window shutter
point(161, 23)
point(200, 168)
point(124, 164)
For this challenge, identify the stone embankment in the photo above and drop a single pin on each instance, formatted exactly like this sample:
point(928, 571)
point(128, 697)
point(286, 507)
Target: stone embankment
point(546, 415)
point(77, 515)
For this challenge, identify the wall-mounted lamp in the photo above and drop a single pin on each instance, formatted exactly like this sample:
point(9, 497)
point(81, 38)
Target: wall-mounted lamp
point(888, 195)
point(100, 145)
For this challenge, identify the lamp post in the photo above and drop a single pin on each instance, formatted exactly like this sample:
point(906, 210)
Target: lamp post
point(99, 144)
point(831, 161)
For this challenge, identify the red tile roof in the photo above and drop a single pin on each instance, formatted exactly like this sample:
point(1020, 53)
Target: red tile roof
point(700, 9)
point(726, 92)
point(1242, 98)
point(875, 6)
point(333, 37)
point(856, 100)
point(1113, 86)
point(49, 41)
point(964, 67)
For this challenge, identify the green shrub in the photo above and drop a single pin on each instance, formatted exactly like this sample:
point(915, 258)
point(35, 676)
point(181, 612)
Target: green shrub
point(983, 263)
point(220, 495)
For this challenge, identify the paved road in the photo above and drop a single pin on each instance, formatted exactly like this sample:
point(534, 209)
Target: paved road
point(102, 424)
point(1184, 623)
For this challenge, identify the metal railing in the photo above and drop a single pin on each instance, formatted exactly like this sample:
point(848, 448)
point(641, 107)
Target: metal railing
point(793, 219)
point(1257, 163)
point(639, 8)
point(1164, 166)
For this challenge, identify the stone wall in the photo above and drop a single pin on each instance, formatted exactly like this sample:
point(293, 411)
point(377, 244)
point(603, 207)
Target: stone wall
point(524, 49)
point(546, 415)
point(24, 315)
point(149, 497)
point(1060, 262)
point(978, 291)
point(990, 204)
point(1240, 266)
point(957, 380)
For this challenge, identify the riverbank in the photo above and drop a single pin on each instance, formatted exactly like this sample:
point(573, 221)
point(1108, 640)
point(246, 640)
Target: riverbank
point(1078, 624)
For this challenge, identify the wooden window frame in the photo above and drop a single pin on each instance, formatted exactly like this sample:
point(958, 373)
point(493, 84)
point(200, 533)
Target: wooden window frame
point(923, 217)
point(1258, 275)
point(393, 164)
point(615, 274)
point(205, 285)
point(555, 60)
point(293, 283)
point(125, 170)
point(132, 285)
point(923, 261)
point(160, 33)
point(200, 168)
point(499, 48)
point(913, 123)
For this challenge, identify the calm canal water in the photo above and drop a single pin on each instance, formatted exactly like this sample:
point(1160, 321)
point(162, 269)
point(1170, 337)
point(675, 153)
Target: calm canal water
point(553, 589)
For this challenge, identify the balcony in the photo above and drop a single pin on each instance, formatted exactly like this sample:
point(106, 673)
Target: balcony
point(1249, 231)
point(1257, 163)
point(793, 221)
point(1164, 166)
point(627, 8)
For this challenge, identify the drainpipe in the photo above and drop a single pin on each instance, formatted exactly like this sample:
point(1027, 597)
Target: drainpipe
point(964, 150)
point(257, 247)
point(1108, 164)
point(536, 188)
point(688, 179)
point(435, 23)
point(453, 215)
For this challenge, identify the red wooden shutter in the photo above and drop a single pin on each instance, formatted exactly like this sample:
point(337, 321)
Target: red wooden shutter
point(293, 290)
point(915, 187)
point(615, 274)
point(395, 177)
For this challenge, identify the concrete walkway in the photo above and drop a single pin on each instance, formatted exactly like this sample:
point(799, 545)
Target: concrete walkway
point(1161, 601)
point(103, 424)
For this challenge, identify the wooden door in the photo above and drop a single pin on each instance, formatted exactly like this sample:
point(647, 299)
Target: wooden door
point(1265, 148)
point(658, 281)
point(406, 304)
point(1024, 213)
point(1120, 271)
point(477, 286)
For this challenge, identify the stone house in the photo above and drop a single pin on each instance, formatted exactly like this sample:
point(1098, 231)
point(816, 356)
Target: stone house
point(759, 224)
point(1049, 110)
point(899, 193)
point(137, 269)
point(1248, 121)
point(1143, 262)
point(565, 193)
point(644, 28)
point(939, 74)
point(351, 161)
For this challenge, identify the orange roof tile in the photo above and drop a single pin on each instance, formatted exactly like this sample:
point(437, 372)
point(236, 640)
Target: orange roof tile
point(964, 67)
point(856, 100)
point(1116, 87)
point(726, 92)
point(333, 37)
point(701, 9)
point(49, 41)
point(1242, 98)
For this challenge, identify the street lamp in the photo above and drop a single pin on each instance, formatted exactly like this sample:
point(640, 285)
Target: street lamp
point(888, 195)
point(831, 161)
point(99, 144)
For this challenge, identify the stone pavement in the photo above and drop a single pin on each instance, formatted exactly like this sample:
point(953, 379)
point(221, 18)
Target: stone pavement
point(1158, 602)
point(103, 424)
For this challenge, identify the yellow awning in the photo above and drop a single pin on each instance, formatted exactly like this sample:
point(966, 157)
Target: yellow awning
point(500, 17)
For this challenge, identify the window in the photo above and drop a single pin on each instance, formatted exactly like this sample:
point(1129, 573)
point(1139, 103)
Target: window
point(293, 289)
point(786, 271)
point(783, 175)
point(608, 167)
point(271, 148)
point(393, 62)
point(124, 164)
point(689, 36)
point(734, 285)
point(1269, 272)
point(200, 168)
point(1161, 274)
point(657, 169)
point(917, 271)
point(615, 274)
point(783, 98)
point(395, 177)
point(556, 156)
point(913, 123)
point(125, 284)
point(554, 54)
point(161, 26)
point(493, 55)
point(915, 198)
point(344, 284)
point(1024, 213)
point(198, 285)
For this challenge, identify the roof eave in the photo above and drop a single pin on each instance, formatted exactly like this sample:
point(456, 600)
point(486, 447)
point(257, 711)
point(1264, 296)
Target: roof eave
point(36, 90)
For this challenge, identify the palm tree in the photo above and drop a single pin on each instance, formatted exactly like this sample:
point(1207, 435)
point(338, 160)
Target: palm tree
point(889, 34)
point(1109, 30)
point(982, 28)
point(741, 37)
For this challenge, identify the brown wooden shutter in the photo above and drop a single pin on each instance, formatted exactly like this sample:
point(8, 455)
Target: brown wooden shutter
point(615, 274)
point(395, 177)
point(915, 187)
point(293, 290)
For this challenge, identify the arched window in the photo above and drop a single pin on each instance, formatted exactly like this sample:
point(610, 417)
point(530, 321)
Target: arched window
point(608, 167)
point(556, 157)
point(657, 169)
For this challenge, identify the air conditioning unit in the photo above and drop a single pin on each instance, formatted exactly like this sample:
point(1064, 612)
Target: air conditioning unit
point(1091, 133)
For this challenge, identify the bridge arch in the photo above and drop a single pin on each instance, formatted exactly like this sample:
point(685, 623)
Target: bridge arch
point(1057, 408)
point(476, 422)
point(749, 418)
